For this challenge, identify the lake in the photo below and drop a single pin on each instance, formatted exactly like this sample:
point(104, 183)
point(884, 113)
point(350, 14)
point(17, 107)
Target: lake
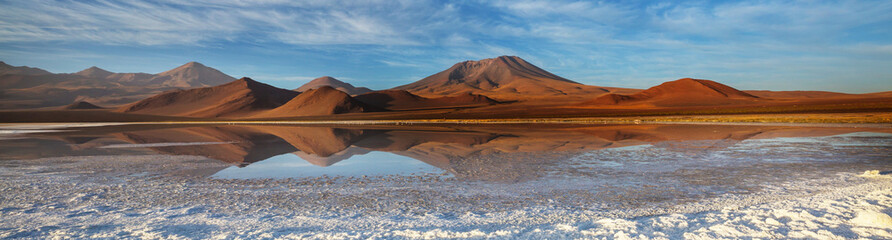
point(435, 181)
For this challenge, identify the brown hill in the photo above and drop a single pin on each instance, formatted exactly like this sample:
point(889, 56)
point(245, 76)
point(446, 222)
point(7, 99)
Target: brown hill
point(81, 105)
point(23, 90)
point(317, 102)
point(403, 100)
point(505, 77)
point(238, 98)
point(94, 72)
point(682, 92)
point(334, 83)
point(23, 70)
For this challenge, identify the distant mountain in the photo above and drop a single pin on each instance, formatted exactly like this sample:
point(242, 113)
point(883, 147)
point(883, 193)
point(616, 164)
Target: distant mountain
point(81, 105)
point(238, 98)
point(505, 77)
point(94, 72)
point(23, 70)
point(403, 100)
point(317, 102)
point(190, 75)
point(682, 92)
point(334, 83)
point(25, 87)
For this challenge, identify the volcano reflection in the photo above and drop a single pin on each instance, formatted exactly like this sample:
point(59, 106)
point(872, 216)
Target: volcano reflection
point(492, 153)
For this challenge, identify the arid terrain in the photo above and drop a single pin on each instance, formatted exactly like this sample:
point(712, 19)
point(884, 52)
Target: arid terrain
point(505, 87)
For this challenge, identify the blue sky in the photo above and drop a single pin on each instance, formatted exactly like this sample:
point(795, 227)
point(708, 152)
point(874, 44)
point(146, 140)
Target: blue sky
point(778, 45)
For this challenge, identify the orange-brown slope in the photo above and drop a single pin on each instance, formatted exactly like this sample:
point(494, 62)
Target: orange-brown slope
point(317, 102)
point(239, 98)
point(682, 92)
point(334, 83)
point(504, 78)
point(403, 100)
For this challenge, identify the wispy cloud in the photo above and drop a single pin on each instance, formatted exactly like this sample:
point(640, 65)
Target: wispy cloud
point(633, 43)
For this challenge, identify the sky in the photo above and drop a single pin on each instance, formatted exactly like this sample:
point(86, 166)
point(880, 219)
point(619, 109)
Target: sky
point(776, 45)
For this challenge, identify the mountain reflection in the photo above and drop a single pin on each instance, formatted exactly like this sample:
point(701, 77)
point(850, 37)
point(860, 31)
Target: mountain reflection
point(490, 153)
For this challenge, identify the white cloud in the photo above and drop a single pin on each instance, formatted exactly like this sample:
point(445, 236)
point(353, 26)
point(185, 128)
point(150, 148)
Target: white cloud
point(197, 22)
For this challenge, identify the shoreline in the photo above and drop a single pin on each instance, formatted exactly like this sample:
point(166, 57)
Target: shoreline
point(759, 120)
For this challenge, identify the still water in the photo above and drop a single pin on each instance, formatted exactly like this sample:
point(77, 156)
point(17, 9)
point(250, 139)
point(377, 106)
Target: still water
point(501, 153)
point(430, 181)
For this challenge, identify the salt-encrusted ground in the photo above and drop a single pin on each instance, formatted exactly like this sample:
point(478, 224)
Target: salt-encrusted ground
point(113, 197)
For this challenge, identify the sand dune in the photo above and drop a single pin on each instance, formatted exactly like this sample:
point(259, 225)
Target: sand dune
point(239, 98)
point(503, 78)
point(334, 83)
point(321, 101)
point(402, 100)
point(682, 92)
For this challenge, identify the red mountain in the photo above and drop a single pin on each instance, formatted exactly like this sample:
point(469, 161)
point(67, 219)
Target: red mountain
point(682, 92)
point(238, 98)
point(334, 83)
point(23, 87)
point(505, 77)
point(317, 102)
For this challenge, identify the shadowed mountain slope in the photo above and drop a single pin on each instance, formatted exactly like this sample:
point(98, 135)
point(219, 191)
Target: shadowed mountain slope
point(317, 102)
point(402, 100)
point(239, 98)
point(81, 105)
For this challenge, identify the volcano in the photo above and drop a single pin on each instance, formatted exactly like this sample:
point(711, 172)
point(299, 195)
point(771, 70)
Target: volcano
point(505, 77)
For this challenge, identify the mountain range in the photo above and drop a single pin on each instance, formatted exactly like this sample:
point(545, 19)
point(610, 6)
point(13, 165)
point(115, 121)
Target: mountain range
point(24, 87)
point(497, 87)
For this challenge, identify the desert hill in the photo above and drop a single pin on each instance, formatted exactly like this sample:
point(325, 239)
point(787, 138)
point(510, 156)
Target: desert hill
point(238, 98)
point(334, 83)
point(682, 92)
point(22, 70)
point(316, 102)
point(402, 100)
point(24, 87)
point(94, 72)
point(81, 105)
point(503, 78)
